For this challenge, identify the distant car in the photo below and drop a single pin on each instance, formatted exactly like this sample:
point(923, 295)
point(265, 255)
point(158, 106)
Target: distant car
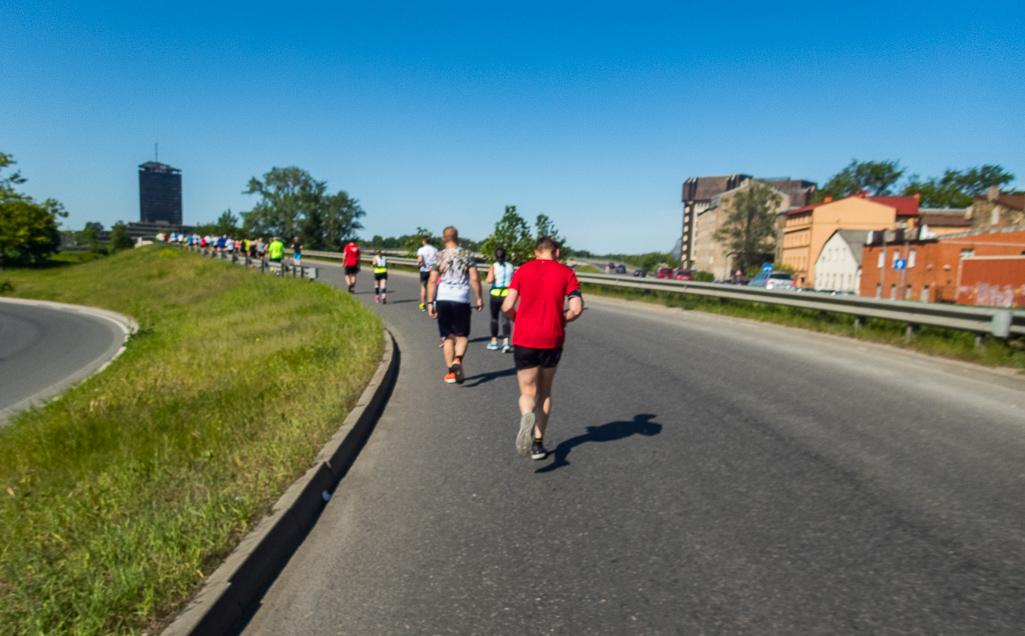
point(780, 281)
point(640, 273)
point(620, 269)
point(664, 272)
point(683, 274)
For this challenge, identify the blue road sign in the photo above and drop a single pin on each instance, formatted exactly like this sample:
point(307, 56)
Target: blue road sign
point(767, 267)
point(900, 263)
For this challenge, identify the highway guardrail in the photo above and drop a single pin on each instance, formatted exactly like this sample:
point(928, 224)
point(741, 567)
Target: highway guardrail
point(995, 321)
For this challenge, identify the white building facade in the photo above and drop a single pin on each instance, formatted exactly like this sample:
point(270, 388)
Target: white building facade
point(838, 267)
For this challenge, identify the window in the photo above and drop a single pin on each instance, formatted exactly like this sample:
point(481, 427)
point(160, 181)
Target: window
point(893, 291)
point(907, 293)
point(911, 257)
point(967, 253)
point(882, 259)
point(896, 257)
point(925, 293)
point(879, 290)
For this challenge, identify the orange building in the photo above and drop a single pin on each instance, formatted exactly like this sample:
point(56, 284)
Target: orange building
point(807, 229)
point(932, 266)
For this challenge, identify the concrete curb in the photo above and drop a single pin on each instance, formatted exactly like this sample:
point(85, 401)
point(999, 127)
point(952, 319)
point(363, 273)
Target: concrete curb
point(127, 325)
point(241, 580)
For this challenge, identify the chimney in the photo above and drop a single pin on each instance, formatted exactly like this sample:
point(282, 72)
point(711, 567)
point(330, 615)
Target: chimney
point(828, 199)
point(993, 193)
point(918, 196)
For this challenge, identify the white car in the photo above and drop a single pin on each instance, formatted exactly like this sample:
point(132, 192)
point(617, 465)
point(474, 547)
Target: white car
point(781, 281)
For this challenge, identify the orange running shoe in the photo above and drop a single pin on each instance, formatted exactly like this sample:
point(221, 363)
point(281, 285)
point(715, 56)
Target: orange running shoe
point(450, 378)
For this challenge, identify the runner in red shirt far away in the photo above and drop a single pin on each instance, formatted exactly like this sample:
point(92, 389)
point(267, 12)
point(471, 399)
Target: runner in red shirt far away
point(351, 265)
point(541, 286)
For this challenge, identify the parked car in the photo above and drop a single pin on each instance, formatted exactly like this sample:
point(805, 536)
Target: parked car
point(640, 273)
point(782, 281)
point(683, 274)
point(664, 272)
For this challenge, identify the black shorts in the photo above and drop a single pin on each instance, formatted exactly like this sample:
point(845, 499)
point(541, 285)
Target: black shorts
point(424, 277)
point(351, 270)
point(380, 276)
point(527, 358)
point(453, 319)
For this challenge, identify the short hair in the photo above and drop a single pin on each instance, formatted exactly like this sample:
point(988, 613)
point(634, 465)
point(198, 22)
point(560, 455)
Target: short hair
point(378, 252)
point(450, 234)
point(425, 239)
point(500, 254)
point(546, 244)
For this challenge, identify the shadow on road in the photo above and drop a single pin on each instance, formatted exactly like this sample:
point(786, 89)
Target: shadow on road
point(488, 377)
point(640, 425)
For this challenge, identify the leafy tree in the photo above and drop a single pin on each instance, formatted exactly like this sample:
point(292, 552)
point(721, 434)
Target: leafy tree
point(413, 243)
point(295, 204)
point(28, 230)
point(513, 234)
point(91, 235)
point(957, 188)
point(119, 237)
point(545, 227)
point(875, 177)
point(749, 231)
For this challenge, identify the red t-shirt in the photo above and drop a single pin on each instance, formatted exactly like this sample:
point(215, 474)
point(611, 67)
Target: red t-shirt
point(542, 286)
point(351, 255)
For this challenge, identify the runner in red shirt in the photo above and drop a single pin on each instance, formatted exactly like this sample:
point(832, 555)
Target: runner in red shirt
point(351, 265)
point(541, 286)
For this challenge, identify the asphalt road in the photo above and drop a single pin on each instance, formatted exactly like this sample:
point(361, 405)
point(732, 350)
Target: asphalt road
point(45, 350)
point(709, 476)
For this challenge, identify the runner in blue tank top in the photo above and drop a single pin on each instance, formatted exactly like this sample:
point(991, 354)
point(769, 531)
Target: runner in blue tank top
point(499, 276)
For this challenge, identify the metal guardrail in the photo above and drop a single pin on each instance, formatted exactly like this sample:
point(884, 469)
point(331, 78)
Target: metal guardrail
point(994, 321)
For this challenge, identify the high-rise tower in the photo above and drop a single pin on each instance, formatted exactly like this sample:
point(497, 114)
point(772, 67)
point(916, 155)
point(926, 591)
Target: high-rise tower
point(160, 193)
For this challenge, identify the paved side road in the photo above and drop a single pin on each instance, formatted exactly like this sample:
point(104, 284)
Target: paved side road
point(709, 476)
point(46, 347)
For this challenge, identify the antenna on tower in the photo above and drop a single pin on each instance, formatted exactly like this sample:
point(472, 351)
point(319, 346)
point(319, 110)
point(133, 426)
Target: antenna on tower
point(156, 152)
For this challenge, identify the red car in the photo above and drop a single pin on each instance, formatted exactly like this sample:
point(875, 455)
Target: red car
point(683, 274)
point(664, 272)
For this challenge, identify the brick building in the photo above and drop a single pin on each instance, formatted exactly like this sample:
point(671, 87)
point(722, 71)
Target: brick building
point(932, 265)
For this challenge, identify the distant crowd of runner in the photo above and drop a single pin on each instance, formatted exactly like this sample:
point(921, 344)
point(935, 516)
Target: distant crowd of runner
point(253, 248)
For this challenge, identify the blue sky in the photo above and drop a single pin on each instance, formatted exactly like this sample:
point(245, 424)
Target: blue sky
point(436, 113)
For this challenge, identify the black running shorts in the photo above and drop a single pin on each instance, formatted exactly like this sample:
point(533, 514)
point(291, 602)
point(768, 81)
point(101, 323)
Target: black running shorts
point(527, 358)
point(453, 319)
point(380, 276)
point(351, 270)
point(424, 277)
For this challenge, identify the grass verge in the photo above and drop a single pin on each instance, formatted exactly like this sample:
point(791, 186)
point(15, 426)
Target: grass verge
point(118, 499)
point(949, 343)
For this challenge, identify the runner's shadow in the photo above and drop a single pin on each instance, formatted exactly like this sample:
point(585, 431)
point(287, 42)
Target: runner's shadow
point(399, 302)
point(481, 378)
point(613, 431)
point(480, 339)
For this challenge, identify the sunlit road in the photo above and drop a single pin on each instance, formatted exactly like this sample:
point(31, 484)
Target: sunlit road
point(709, 476)
point(43, 350)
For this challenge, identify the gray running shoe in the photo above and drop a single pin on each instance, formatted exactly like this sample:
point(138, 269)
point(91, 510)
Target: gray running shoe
point(526, 435)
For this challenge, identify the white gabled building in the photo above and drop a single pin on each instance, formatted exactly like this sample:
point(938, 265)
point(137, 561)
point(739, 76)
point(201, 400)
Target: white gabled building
point(838, 267)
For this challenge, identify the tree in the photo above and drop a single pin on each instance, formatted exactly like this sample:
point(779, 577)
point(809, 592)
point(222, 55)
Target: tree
point(91, 235)
point(545, 227)
point(29, 230)
point(513, 235)
point(875, 177)
point(413, 243)
point(749, 231)
point(119, 237)
point(956, 188)
point(295, 204)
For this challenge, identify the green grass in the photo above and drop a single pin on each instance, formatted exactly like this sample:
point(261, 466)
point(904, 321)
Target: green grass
point(937, 341)
point(589, 269)
point(118, 499)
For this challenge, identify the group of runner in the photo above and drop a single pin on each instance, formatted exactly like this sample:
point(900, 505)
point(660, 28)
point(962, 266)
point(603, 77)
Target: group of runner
point(272, 250)
point(531, 297)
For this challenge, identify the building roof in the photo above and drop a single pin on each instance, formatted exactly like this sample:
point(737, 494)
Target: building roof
point(153, 166)
point(1013, 201)
point(906, 206)
point(856, 240)
point(943, 218)
point(799, 191)
point(704, 188)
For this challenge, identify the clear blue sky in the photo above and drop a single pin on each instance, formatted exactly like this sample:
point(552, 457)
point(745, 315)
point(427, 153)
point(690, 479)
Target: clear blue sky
point(434, 113)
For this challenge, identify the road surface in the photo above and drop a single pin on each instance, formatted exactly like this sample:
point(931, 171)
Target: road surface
point(44, 350)
point(709, 476)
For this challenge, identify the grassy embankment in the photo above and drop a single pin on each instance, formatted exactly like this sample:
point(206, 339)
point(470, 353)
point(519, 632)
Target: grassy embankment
point(117, 500)
point(937, 341)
